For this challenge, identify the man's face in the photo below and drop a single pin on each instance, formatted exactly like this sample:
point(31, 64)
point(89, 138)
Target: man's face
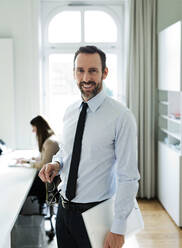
point(88, 74)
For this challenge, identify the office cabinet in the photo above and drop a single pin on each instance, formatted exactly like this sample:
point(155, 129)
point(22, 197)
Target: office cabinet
point(169, 121)
point(169, 58)
point(170, 181)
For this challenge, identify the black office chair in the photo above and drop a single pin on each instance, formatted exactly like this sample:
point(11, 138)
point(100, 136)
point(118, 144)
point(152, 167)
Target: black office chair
point(2, 146)
point(52, 211)
point(43, 200)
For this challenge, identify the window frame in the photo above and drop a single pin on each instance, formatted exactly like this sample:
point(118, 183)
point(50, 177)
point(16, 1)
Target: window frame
point(55, 48)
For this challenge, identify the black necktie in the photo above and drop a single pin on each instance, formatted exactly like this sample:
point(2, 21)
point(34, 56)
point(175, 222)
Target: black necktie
point(72, 178)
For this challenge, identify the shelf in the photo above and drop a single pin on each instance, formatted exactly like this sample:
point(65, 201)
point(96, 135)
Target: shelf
point(178, 121)
point(164, 102)
point(175, 135)
point(171, 147)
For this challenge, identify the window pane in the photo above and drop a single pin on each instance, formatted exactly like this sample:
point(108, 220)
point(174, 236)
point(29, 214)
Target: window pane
point(99, 27)
point(62, 87)
point(65, 27)
point(110, 82)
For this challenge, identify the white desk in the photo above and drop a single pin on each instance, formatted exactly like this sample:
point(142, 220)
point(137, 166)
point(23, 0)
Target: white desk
point(14, 187)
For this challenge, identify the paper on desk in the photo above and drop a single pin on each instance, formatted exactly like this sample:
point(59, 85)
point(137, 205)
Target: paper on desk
point(25, 165)
point(98, 221)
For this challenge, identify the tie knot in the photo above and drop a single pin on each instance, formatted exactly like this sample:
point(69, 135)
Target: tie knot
point(85, 105)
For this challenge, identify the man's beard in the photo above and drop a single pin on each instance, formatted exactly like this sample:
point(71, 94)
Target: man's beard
point(91, 93)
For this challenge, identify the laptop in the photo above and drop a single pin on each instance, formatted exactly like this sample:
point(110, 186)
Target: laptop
point(98, 221)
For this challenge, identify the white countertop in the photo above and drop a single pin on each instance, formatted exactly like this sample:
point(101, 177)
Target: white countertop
point(14, 187)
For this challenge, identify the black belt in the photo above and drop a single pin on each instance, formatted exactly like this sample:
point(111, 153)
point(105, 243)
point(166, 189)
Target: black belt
point(80, 207)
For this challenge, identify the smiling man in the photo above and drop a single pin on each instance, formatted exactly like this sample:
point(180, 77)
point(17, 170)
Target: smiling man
point(97, 156)
point(89, 73)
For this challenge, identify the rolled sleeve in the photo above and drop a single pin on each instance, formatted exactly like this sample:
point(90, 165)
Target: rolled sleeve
point(58, 157)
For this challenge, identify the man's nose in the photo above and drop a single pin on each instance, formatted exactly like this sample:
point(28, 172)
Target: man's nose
point(86, 77)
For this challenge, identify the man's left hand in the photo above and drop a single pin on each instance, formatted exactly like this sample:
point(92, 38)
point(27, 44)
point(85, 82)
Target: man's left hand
point(114, 240)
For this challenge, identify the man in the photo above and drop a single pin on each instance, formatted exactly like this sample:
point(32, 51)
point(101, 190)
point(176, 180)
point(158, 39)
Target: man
point(107, 164)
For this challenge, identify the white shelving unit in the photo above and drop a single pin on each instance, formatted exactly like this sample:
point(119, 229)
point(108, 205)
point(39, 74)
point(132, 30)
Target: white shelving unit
point(170, 121)
point(170, 181)
point(170, 126)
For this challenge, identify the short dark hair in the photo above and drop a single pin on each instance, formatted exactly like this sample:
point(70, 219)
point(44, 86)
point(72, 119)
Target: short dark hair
point(92, 50)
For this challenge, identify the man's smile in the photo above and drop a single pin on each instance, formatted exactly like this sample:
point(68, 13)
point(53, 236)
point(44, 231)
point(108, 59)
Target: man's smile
point(88, 85)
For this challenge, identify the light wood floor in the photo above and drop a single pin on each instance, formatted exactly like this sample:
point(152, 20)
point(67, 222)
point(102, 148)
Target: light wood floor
point(159, 232)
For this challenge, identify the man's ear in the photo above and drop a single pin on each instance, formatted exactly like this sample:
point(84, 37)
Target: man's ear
point(73, 73)
point(105, 73)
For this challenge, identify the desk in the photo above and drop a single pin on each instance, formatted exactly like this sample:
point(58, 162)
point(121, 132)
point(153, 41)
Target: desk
point(14, 187)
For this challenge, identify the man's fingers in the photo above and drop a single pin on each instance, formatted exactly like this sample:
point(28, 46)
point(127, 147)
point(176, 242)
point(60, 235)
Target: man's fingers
point(42, 174)
point(106, 245)
point(48, 172)
point(53, 175)
point(113, 240)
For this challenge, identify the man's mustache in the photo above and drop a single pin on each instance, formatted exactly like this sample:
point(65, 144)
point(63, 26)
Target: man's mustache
point(89, 82)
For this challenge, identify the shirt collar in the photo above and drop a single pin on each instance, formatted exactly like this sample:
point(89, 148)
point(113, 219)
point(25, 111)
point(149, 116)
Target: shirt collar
point(95, 102)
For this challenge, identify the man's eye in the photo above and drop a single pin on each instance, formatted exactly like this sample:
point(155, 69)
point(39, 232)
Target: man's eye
point(92, 70)
point(80, 70)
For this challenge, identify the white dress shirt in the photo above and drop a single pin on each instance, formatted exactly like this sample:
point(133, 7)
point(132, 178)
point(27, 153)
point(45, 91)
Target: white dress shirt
point(108, 163)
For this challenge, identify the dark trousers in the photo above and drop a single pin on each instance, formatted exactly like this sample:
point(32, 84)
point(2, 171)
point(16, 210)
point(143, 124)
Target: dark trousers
point(70, 229)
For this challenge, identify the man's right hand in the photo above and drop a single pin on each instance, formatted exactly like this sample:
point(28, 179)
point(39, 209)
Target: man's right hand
point(49, 171)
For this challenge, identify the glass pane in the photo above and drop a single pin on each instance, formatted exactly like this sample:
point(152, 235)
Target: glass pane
point(65, 27)
point(110, 82)
point(62, 87)
point(99, 27)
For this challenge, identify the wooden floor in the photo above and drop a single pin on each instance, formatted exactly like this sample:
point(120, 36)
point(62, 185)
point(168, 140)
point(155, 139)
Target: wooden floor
point(159, 232)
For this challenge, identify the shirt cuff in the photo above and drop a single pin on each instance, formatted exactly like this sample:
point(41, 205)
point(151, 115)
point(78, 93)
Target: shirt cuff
point(119, 226)
point(57, 159)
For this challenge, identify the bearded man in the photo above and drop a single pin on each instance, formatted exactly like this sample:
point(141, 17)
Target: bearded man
point(97, 156)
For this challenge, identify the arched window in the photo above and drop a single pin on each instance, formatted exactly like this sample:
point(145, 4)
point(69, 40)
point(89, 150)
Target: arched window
point(65, 27)
point(65, 30)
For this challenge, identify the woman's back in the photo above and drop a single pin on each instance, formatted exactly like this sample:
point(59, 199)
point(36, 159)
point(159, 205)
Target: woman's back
point(49, 149)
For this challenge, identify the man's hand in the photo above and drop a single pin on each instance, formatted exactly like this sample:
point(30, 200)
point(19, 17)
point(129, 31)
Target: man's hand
point(49, 171)
point(114, 240)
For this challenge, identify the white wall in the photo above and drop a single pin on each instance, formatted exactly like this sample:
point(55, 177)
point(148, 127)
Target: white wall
point(19, 20)
point(7, 128)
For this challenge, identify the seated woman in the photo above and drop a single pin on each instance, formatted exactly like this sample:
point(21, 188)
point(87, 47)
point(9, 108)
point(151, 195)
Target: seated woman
point(48, 146)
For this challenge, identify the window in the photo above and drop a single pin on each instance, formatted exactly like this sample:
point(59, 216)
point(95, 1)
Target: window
point(64, 31)
point(65, 27)
point(97, 24)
